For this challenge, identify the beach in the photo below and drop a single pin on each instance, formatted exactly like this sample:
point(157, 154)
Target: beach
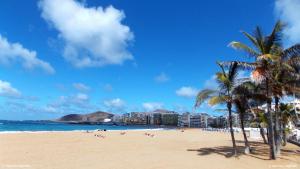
point(133, 149)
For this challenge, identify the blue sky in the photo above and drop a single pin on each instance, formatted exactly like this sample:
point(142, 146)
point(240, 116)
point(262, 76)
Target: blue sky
point(60, 57)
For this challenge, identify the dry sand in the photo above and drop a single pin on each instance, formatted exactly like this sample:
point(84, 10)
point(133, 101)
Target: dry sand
point(172, 149)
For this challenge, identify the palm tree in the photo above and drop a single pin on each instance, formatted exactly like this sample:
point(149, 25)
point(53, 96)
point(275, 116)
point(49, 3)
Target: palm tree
point(288, 115)
point(246, 95)
point(241, 105)
point(261, 121)
point(264, 47)
point(284, 75)
point(226, 81)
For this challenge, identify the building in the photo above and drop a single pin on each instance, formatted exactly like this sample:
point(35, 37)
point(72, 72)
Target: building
point(169, 119)
point(140, 118)
point(198, 120)
point(220, 122)
point(235, 120)
point(210, 121)
point(164, 117)
point(195, 121)
point(126, 118)
point(156, 119)
point(184, 120)
point(117, 118)
point(296, 105)
point(204, 120)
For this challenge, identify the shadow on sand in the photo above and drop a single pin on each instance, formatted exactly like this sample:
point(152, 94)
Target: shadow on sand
point(259, 150)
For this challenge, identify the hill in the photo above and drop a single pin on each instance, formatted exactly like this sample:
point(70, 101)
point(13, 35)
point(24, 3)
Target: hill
point(92, 118)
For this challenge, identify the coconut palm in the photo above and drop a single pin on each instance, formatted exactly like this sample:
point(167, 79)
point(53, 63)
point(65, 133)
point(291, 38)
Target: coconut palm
point(223, 95)
point(262, 121)
point(242, 106)
point(264, 48)
point(286, 111)
point(288, 115)
point(246, 96)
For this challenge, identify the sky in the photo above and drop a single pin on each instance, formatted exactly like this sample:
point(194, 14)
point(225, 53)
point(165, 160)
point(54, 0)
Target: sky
point(65, 56)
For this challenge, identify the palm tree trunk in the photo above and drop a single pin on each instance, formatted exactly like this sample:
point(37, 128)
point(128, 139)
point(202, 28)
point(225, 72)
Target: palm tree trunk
point(262, 133)
point(281, 128)
point(231, 129)
point(268, 134)
point(284, 136)
point(277, 132)
point(270, 125)
point(247, 146)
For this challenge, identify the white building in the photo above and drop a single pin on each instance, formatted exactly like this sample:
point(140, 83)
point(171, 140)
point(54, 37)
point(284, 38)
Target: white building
point(198, 120)
point(195, 121)
point(184, 120)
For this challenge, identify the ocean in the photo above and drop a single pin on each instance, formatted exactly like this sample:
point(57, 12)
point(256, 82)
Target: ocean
point(31, 126)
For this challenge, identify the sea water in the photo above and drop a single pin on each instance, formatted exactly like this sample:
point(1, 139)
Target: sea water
point(19, 126)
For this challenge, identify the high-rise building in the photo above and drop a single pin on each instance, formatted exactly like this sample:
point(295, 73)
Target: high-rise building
point(195, 120)
point(184, 120)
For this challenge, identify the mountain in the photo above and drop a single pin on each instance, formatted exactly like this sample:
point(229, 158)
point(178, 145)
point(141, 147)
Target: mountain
point(92, 118)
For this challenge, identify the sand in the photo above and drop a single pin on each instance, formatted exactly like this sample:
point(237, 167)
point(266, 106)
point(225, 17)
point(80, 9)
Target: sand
point(171, 149)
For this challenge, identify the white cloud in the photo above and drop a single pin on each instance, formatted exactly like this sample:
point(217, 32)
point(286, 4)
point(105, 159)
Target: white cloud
point(288, 11)
point(94, 36)
point(115, 104)
point(81, 87)
point(7, 90)
point(151, 106)
point(80, 100)
point(187, 91)
point(15, 52)
point(161, 78)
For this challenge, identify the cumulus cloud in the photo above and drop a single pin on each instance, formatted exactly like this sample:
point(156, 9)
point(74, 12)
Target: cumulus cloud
point(93, 36)
point(15, 52)
point(81, 87)
point(115, 104)
point(288, 11)
point(161, 78)
point(79, 100)
point(151, 106)
point(7, 90)
point(187, 91)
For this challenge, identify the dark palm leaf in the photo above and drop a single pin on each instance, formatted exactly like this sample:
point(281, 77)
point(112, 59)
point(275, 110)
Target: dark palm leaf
point(245, 65)
point(260, 39)
point(293, 51)
point(275, 37)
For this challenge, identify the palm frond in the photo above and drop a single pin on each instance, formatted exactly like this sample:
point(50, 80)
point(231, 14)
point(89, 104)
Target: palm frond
point(222, 68)
point(233, 72)
point(260, 39)
point(203, 95)
point(224, 110)
point(216, 100)
point(243, 47)
point(251, 38)
point(275, 37)
point(245, 65)
point(292, 51)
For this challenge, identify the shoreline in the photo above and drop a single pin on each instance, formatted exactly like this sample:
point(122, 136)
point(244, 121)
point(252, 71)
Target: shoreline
point(84, 131)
